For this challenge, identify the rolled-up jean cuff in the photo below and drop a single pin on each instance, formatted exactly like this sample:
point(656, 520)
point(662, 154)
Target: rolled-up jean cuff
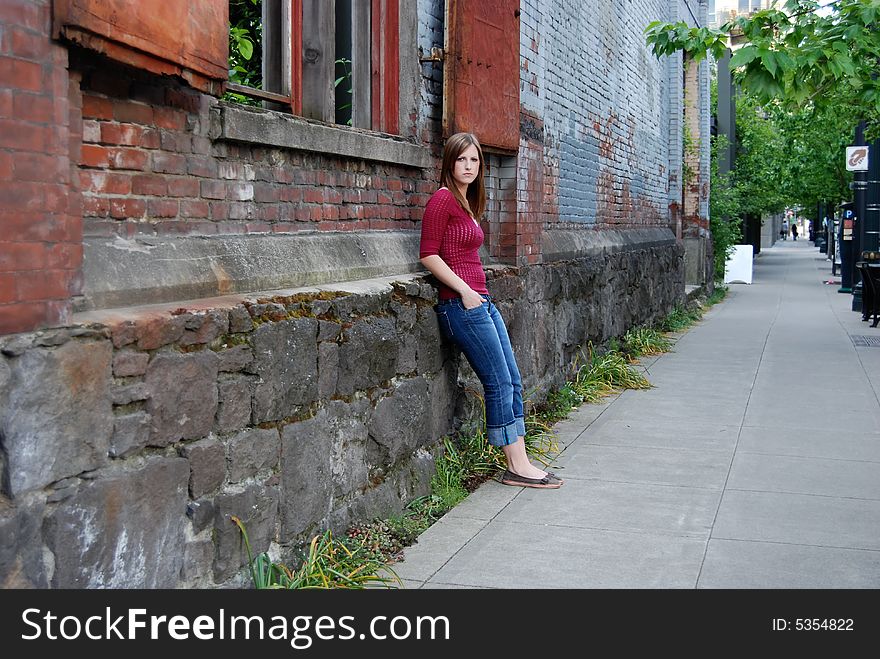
point(508, 434)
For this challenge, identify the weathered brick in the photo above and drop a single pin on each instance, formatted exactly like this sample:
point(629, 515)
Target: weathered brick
point(149, 184)
point(123, 158)
point(97, 107)
point(121, 134)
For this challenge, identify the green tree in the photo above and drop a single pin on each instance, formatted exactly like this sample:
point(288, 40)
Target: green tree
point(796, 53)
point(762, 159)
point(815, 141)
point(724, 210)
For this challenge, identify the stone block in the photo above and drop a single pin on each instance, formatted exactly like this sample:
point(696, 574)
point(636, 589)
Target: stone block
point(207, 466)
point(389, 496)
point(236, 358)
point(57, 417)
point(131, 433)
point(129, 393)
point(240, 320)
point(21, 547)
point(405, 314)
point(204, 327)
point(401, 422)
point(328, 369)
point(200, 513)
point(360, 304)
point(198, 557)
point(122, 530)
point(442, 392)
point(328, 331)
point(407, 358)
point(257, 508)
point(252, 451)
point(432, 347)
point(234, 403)
point(320, 307)
point(156, 332)
point(183, 395)
point(286, 359)
point(322, 459)
point(127, 363)
point(367, 355)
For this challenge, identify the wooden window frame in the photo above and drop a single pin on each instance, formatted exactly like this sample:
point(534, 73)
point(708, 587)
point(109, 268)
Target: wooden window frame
point(308, 58)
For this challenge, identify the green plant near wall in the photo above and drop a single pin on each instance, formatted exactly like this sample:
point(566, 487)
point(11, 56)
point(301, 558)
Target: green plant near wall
point(724, 210)
point(344, 91)
point(245, 47)
point(326, 563)
point(690, 150)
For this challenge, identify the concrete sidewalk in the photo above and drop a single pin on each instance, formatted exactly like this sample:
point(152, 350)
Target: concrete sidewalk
point(753, 463)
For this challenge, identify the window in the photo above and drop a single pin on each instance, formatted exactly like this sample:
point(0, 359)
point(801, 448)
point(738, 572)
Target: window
point(335, 61)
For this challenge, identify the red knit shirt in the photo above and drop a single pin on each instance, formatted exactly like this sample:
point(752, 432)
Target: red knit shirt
point(449, 232)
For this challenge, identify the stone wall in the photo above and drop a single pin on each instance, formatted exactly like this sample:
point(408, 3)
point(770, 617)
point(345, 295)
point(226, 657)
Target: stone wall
point(130, 438)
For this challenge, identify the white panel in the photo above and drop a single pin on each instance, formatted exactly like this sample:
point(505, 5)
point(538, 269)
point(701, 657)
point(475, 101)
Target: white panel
point(738, 268)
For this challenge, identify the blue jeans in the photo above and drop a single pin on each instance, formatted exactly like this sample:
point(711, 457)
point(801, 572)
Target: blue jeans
point(482, 337)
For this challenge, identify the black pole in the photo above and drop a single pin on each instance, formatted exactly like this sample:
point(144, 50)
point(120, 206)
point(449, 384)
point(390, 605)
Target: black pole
point(859, 186)
point(871, 236)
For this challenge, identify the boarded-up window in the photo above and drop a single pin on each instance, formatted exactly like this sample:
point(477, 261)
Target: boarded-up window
point(189, 38)
point(481, 71)
point(333, 60)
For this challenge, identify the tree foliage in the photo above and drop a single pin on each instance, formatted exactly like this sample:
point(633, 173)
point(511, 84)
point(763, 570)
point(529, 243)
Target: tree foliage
point(245, 47)
point(815, 142)
point(762, 159)
point(724, 210)
point(796, 52)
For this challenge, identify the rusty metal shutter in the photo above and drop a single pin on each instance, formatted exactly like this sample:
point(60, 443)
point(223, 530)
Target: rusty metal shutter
point(184, 37)
point(481, 71)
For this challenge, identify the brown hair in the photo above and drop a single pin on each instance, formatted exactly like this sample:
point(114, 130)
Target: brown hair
point(475, 203)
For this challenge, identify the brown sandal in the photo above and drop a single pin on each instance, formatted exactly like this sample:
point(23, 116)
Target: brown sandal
point(549, 482)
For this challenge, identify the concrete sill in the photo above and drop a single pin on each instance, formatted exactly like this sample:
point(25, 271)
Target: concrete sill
point(241, 123)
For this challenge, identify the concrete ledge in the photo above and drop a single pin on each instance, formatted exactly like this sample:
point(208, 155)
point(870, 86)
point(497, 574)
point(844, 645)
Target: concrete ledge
point(565, 244)
point(147, 270)
point(268, 128)
point(121, 272)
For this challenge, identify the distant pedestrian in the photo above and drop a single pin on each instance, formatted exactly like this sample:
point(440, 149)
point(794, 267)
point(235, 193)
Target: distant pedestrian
point(783, 232)
point(793, 231)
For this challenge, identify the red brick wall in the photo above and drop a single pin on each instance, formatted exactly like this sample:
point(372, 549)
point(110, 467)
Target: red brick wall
point(40, 219)
point(149, 166)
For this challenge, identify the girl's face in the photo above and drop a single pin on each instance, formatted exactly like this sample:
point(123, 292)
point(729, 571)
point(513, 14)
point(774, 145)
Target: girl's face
point(467, 167)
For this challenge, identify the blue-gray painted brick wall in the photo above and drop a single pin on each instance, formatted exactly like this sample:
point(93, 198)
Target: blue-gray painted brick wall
point(610, 113)
point(611, 110)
